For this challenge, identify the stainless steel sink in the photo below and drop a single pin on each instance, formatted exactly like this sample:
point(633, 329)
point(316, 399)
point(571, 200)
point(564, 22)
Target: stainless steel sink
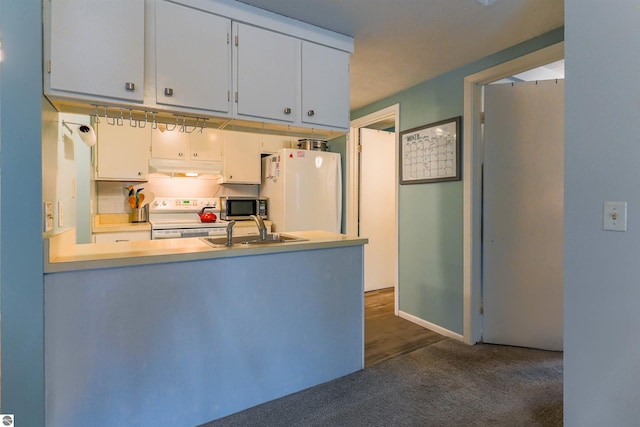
point(252, 240)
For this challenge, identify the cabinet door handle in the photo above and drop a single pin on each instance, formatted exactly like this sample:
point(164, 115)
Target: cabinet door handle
point(311, 113)
point(168, 91)
point(195, 154)
point(130, 86)
point(287, 110)
point(180, 154)
point(139, 173)
point(121, 240)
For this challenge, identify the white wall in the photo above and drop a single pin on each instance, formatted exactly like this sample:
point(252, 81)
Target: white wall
point(59, 155)
point(602, 162)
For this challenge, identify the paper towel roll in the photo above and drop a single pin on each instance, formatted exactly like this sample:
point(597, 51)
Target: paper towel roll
point(87, 135)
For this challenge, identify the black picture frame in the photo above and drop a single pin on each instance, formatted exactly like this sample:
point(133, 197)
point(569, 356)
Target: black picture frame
point(431, 153)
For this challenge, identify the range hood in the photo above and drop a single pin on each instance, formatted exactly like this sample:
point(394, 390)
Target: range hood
point(172, 166)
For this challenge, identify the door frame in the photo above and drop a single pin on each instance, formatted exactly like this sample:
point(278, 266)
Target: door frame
point(352, 175)
point(471, 170)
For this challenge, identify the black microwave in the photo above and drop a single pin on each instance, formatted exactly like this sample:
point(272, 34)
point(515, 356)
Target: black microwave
point(239, 208)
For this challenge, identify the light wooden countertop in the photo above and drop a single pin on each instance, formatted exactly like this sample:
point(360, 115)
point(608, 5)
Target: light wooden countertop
point(61, 253)
point(115, 223)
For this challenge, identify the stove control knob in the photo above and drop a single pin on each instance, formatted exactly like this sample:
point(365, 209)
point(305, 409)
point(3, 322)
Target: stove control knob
point(164, 203)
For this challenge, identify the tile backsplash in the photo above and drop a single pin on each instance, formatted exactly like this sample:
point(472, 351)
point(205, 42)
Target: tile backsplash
point(112, 196)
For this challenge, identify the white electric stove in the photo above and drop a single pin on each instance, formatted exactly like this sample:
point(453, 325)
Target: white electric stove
point(175, 217)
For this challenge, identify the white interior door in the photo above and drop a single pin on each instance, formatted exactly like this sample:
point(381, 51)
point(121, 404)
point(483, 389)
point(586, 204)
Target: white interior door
point(523, 214)
point(377, 208)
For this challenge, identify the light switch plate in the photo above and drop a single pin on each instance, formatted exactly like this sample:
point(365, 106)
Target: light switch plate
point(615, 216)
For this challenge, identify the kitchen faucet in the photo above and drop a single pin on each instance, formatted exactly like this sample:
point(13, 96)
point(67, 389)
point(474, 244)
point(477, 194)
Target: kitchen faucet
point(262, 228)
point(230, 225)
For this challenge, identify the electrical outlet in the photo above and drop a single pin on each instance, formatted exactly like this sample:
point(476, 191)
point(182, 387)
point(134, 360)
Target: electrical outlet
point(48, 216)
point(615, 216)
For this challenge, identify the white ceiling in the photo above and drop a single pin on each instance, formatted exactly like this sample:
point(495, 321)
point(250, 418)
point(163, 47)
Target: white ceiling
point(400, 43)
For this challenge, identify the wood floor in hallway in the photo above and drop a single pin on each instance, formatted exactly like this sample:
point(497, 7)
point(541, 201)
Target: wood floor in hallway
point(387, 335)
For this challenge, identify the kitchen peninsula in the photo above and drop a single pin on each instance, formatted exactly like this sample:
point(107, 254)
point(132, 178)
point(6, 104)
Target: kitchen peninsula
point(176, 332)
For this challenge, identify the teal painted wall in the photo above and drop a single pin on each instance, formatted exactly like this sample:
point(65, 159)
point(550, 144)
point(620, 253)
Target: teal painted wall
point(21, 274)
point(430, 215)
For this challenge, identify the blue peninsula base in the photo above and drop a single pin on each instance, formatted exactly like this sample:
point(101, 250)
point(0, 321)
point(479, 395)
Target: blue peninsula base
point(185, 343)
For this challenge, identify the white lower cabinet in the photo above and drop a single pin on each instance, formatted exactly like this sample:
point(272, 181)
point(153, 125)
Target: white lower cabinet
point(122, 152)
point(121, 236)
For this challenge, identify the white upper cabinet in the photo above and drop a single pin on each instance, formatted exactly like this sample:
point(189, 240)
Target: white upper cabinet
point(201, 59)
point(204, 146)
point(170, 144)
point(193, 58)
point(207, 145)
point(267, 71)
point(123, 152)
point(97, 48)
point(241, 158)
point(325, 86)
point(270, 144)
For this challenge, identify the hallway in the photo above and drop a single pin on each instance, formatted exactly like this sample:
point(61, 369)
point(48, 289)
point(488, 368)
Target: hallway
point(387, 335)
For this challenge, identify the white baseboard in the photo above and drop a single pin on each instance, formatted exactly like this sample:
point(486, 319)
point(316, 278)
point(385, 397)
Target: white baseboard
point(431, 326)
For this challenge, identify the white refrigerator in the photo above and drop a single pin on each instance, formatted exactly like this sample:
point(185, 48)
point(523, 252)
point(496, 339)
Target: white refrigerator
point(304, 190)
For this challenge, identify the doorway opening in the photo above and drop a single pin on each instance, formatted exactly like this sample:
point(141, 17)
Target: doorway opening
point(366, 200)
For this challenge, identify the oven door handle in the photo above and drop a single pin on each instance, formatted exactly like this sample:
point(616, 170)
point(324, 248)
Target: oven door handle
point(194, 234)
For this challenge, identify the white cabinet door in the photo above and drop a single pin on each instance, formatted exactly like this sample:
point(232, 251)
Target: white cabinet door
point(325, 86)
point(204, 146)
point(170, 144)
point(267, 70)
point(123, 152)
point(241, 158)
point(122, 236)
point(193, 58)
point(270, 144)
point(97, 48)
point(207, 145)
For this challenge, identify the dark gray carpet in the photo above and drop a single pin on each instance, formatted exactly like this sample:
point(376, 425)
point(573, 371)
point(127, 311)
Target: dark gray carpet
point(444, 384)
